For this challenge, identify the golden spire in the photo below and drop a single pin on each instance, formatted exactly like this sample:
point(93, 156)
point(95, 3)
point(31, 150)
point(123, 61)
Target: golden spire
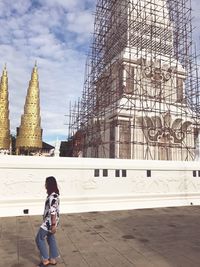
point(4, 112)
point(29, 134)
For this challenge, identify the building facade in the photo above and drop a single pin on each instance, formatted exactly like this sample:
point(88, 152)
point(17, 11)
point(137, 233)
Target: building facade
point(141, 96)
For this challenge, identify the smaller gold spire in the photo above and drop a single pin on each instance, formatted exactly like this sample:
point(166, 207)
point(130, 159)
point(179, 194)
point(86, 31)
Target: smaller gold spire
point(4, 112)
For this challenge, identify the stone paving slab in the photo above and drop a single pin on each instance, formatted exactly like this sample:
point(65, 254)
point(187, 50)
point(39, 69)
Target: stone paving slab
point(164, 237)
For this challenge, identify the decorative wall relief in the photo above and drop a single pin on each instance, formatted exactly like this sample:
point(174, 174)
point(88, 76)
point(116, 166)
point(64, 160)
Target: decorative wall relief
point(158, 186)
point(164, 129)
point(25, 185)
point(81, 184)
point(156, 71)
point(155, 186)
point(189, 186)
point(155, 78)
point(162, 183)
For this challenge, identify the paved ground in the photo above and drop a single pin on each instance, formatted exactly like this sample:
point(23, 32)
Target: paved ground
point(143, 238)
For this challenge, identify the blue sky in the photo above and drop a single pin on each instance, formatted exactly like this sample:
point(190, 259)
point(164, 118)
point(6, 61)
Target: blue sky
point(57, 34)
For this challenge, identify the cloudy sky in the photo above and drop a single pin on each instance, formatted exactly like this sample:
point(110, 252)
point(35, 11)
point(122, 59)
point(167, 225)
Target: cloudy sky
point(57, 34)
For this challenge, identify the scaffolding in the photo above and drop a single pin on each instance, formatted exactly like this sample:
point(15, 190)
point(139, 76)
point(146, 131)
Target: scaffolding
point(140, 98)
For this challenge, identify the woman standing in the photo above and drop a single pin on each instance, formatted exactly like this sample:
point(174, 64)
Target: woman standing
point(48, 228)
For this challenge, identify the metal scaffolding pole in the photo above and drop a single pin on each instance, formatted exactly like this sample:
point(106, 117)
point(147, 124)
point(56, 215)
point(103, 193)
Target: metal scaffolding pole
point(141, 96)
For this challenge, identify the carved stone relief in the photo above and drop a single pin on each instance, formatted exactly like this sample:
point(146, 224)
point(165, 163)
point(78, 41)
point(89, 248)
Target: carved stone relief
point(164, 129)
point(157, 72)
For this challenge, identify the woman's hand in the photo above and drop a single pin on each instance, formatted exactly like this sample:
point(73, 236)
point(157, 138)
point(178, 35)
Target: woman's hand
point(53, 229)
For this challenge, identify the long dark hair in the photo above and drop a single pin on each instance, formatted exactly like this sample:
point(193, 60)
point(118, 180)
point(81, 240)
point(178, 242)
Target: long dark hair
point(51, 185)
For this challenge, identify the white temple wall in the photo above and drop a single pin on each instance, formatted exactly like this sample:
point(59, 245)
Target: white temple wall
point(115, 185)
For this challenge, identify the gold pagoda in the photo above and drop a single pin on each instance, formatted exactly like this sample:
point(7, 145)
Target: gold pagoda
point(4, 113)
point(29, 134)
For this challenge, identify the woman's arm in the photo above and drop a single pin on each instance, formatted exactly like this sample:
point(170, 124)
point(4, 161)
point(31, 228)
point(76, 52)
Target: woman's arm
point(53, 223)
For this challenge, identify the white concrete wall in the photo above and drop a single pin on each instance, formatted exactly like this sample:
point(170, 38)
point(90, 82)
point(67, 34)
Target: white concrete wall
point(22, 184)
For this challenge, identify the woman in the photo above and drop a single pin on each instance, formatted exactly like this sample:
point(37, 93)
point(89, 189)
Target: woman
point(49, 225)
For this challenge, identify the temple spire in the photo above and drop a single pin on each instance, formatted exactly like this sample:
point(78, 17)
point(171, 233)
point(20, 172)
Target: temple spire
point(29, 134)
point(4, 112)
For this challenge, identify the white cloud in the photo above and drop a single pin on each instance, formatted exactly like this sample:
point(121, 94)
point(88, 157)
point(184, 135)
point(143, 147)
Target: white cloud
point(10, 7)
point(79, 22)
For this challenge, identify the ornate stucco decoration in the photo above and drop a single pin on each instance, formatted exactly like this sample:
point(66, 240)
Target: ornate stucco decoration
point(157, 72)
point(163, 129)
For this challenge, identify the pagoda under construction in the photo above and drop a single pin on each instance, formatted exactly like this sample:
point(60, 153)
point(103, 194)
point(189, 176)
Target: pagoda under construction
point(140, 98)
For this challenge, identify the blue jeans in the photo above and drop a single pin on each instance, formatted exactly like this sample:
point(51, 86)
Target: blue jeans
point(41, 238)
